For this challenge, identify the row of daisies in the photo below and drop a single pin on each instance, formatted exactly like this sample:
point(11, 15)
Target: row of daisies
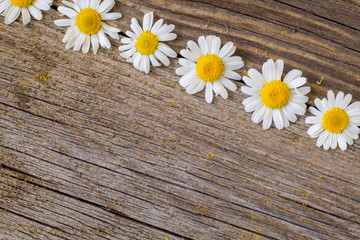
point(206, 64)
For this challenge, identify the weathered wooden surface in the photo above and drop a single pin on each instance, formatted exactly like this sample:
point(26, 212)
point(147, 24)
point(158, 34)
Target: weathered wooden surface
point(101, 151)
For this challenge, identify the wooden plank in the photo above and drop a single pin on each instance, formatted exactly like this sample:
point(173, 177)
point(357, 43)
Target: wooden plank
point(94, 141)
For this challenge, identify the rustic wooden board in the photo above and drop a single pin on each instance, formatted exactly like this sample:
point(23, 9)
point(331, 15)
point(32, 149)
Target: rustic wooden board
point(102, 151)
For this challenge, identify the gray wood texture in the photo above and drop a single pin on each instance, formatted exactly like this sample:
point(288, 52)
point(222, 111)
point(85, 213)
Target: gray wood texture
point(98, 150)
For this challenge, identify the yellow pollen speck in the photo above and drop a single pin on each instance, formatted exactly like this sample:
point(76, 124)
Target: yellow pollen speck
point(21, 3)
point(292, 143)
point(309, 165)
point(146, 43)
point(171, 136)
point(335, 120)
point(89, 144)
point(234, 131)
point(319, 82)
point(320, 176)
point(247, 141)
point(209, 68)
point(275, 94)
point(88, 21)
point(179, 145)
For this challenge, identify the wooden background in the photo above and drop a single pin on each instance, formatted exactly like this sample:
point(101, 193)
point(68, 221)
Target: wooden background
point(90, 148)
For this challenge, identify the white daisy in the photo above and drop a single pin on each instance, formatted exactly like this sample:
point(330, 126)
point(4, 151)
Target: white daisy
point(144, 44)
point(335, 121)
point(207, 65)
point(272, 99)
point(11, 9)
point(86, 24)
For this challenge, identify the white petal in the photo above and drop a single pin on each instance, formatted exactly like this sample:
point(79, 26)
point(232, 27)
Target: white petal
point(194, 48)
point(203, 45)
point(156, 26)
point(334, 141)
point(319, 105)
point(110, 16)
point(109, 28)
point(346, 101)
point(296, 108)
point(227, 50)
point(228, 84)
point(289, 114)
point(279, 124)
point(215, 46)
point(103, 40)
point(167, 50)
point(35, 12)
point(187, 79)
point(12, 15)
point(183, 70)
point(128, 53)
point(25, 16)
point(42, 5)
point(64, 22)
point(258, 115)
point(148, 21)
point(153, 61)
point(331, 98)
point(342, 142)
point(257, 76)
point(233, 63)
point(315, 112)
point(293, 74)
point(252, 83)
point(95, 43)
point(4, 5)
point(267, 118)
point(279, 65)
point(250, 91)
point(313, 120)
point(322, 138)
point(339, 99)
point(188, 54)
point(67, 11)
point(208, 92)
point(353, 106)
point(297, 82)
point(86, 45)
point(268, 70)
point(315, 130)
point(219, 88)
point(72, 5)
point(167, 37)
point(105, 6)
point(163, 59)
point(185, 62)
point(231, 74)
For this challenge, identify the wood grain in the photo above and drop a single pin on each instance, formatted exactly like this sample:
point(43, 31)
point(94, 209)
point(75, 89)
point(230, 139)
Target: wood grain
point(102, 151)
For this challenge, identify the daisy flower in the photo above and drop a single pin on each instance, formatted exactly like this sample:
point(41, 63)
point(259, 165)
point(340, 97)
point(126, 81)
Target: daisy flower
point(207, 65)
point(11, 9)
point(145, 44)
point(335, 121)
point(86, 24)
point(273, 99)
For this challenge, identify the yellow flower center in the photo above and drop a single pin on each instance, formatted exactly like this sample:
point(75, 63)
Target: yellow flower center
point(335, 120)
point(88, 21)
point(209, 68)
point(275, 94)
point(146, 43)
point(21, 3)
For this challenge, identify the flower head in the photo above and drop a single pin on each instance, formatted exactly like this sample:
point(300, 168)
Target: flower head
point(86, 24)
point(11, 9)
point(210, 66)
point(145, 44)
point(335, 121)
point(273, 99)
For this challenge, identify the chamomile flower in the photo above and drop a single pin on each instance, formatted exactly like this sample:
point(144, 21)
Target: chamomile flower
point(335, 121)
point(86, 24)
point(11, 9)
point(145, 44)
point(207, 65)
point(273, 99)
